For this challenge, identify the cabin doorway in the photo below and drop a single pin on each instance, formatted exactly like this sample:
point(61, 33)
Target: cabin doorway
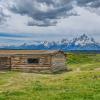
point(5, 63)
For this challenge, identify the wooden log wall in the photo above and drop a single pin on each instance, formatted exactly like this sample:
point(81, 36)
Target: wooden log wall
point(5, 63)
point(20, 63)
point(58, 62)
point(47, 63)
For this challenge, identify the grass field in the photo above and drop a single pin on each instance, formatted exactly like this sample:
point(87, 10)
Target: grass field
point(82, 83)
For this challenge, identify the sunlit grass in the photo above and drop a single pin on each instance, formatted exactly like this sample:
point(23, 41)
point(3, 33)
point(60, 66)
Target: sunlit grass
point(82, 84)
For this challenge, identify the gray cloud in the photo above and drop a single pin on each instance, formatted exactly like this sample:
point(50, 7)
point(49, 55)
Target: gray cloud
point(3, 16)
point(44, 23)
point(89, 3)
point(43, 12)
point(47, 12)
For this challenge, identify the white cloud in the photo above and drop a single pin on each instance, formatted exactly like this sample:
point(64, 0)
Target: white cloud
point(23, 12)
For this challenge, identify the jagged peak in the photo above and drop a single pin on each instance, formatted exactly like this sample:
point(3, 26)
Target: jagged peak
point(82, 37)
point(83, 40)
point(64, 41)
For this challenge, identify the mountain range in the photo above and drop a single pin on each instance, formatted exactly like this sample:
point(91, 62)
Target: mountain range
point(82, 42)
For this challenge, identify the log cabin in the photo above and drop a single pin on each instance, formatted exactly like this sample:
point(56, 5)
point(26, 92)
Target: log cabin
point(32, 60)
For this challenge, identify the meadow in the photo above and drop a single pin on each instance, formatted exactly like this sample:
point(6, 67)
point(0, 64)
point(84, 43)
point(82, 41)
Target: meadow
point(81, 82)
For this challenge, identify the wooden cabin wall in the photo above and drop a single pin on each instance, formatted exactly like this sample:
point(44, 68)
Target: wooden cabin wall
point(58, 62)
point(20, 63)
point(5, 63)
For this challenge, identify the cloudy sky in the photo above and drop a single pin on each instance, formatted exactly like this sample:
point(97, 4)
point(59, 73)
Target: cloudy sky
point(25, 20)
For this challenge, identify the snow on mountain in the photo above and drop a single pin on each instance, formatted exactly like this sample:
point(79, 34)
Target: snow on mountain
point(82, 42)
point(46, 43)
point(64, 41)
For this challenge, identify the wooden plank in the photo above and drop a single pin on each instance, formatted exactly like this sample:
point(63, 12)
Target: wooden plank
point(4, 63)
point(29, 66)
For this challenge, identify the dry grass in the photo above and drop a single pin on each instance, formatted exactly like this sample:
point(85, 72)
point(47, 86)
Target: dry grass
point(83, 84)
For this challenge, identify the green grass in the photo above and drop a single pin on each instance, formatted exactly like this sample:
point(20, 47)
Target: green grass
point(83, 61)
point(82, 84)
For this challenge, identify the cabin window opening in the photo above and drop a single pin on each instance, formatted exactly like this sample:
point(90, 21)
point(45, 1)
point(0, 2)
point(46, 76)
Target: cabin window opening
point(33, 61)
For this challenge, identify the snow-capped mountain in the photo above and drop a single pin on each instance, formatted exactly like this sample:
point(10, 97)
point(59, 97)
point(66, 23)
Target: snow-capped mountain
point(82, 42)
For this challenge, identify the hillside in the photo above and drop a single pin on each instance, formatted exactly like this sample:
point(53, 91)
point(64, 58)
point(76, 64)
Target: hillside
point(81, 83)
